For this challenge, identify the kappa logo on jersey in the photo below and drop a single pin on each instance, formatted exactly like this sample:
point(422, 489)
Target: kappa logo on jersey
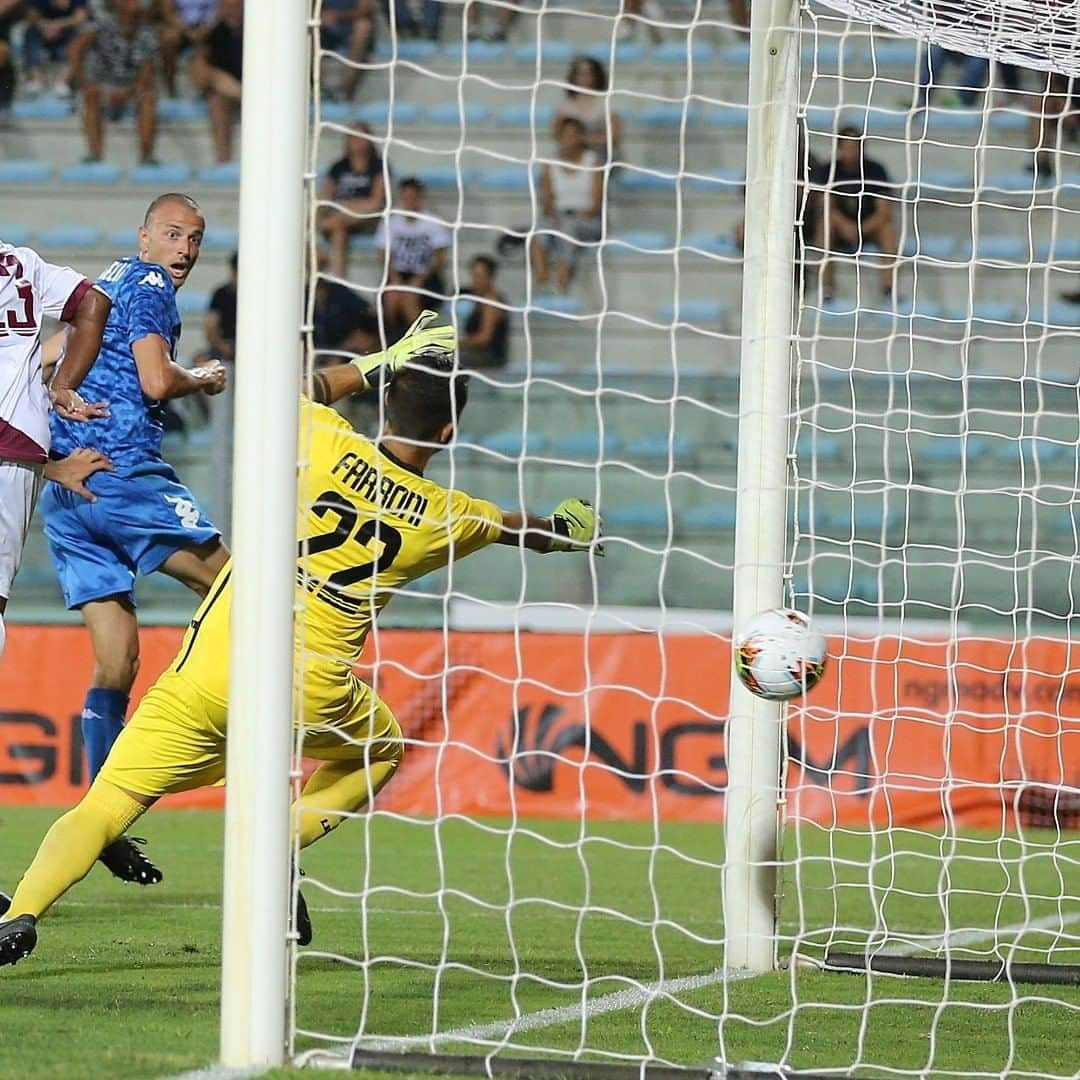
point(152, 277)
point(185, 510)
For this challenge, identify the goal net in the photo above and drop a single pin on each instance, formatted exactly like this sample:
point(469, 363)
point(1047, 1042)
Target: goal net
point(542, 878)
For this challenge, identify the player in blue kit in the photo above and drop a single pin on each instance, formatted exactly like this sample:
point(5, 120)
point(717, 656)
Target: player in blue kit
point(142, 518)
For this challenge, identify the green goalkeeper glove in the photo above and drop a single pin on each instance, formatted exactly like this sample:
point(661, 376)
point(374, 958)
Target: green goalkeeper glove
point(577, 527)
point(419, 338)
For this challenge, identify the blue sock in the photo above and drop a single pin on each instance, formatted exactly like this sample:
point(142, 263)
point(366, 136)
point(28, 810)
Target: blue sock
point(102, 720)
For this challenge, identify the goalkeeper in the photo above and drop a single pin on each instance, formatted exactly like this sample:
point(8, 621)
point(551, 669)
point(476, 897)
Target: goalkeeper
point(369, 523)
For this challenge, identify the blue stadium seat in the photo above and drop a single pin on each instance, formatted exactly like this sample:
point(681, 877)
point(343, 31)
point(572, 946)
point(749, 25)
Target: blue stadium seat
point(626, 52)
point(635, 517)
point(921, 308)
point(818, 445)
point(893, 52)
point(1059, 314)
point(1009, 120)
point(509, 178)
point(931, 182)
point(362, 242)
point(451, 114)
point(378, 113)
point(477, 52)
point(526, 115)
point(930, 246)
point(406, 49)
point(719, 182)
point(693, 311)
point(192, 303)
point(333, 112)
point(585, 445)
point(513, 444)
point(167, 175)
point(1003, 248)
point(70, 236)
point(1018, 180)
point(676, 52)
point(24, 172)
point(711, 243)
point(15, 235)
point(1060, 249)
point(555, 304)
point(221, 239)
point(738, 53)
point(654, 448)
point(124, 240)
point(443, 177)
point(710, 517)
point(554, 52)
point(94, 172)
point(43, 108)
point(1029, 451)
point(633, 180)
point(667, 115)
point(635, 240)
point(173, 109)
point(822, 52)
point(950, 449)
point(226, 175)
point(1000, 311)
point(729, 116)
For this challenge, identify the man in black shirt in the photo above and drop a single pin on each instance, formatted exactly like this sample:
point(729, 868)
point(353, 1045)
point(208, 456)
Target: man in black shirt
point(220, 326)
point(859, 209)
point(217, 72)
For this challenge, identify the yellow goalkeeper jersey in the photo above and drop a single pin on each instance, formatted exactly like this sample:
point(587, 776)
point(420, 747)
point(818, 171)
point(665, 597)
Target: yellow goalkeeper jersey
point(367, 525)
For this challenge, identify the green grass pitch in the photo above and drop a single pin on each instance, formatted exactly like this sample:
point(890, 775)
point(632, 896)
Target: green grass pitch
point(466, 924)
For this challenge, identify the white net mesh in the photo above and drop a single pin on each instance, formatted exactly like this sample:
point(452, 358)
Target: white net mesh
point(542, 876)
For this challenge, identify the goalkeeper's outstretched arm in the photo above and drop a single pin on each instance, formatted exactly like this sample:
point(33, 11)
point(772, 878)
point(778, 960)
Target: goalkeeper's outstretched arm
point(574, 526)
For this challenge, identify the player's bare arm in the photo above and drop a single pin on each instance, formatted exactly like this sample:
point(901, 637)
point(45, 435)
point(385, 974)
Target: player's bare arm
point(78, 347)
point(162, 378)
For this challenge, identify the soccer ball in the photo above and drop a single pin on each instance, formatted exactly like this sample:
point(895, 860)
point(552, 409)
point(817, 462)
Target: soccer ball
point(779, 655)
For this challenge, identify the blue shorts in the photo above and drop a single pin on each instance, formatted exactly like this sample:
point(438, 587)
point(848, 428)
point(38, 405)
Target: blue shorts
point(139, 519)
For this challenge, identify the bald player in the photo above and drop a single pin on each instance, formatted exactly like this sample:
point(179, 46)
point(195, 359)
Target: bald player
point(141, 518)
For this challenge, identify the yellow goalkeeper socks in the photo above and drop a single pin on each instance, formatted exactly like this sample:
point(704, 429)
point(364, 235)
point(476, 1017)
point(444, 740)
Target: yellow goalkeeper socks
point(72, 845)
point(335, 789)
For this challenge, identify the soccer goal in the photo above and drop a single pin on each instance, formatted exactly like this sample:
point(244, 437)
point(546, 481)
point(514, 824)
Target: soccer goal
point(818, 350)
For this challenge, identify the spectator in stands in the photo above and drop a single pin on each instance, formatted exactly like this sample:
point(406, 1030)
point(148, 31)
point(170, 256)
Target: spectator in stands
point(1053, 112)
point(343, 323)
point(220, 325)
point(636, 13)
point(427, 26)
point(485, 340)
point(572, 194)
point(347, 30)
point(858, 209)
point(183, 26)
point(412, 246)
point(113, 61)
point(10, 13)
point(586, 100)
point(217, 72)
point(474, 21)
point(357, 186)
point(934, 63)
point(51, 27)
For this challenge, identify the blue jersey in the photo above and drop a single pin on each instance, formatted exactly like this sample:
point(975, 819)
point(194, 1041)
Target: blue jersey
point(143, 302)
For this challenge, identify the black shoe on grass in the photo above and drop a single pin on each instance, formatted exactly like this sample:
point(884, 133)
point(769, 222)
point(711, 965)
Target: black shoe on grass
point(5, 903)
point(17, 939)
point(128, 863)
point(303, 920)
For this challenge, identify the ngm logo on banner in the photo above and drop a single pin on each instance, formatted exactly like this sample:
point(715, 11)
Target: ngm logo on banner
point(633, 726)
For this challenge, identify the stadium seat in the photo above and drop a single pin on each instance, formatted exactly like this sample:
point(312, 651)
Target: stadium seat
point(1060, 249)
point(822, 52)
point(15, 235)
point(653, 448)
point(693, 311)
point(333, 112)
point(93, 172)
point(553, 52)
point(637, 240)
point(124, 240)
point(444, 177)
point(477, 52)
point(379, 113)
point(720, 182)
point(43, 108)
point(931, 183)
point(510, 178)
point(555, 304)
point(166, 175)
point(525, 115)
point(452, 114)
point(637, 180)
point(584, 446)
point(676, 52)
point(667, 115)
point(177, 109)
point(70, 236)
point(220, 239)
point(1030, 451)
point(729, 116)
point(894, 52)
point(362, 242)
point(192, 303)
point(1003, 248)
point(224, 175)
point(711, 243)
point(406, 49)
point(710, 517)
point(636, 517)
point(999, 311)
point(738, 52)
point(1059, 314)
point(1018, 180)
point(950, 449)
point(626, 52)
point(514, 443)
point(25, 172)
point(819, 446)
point(930, 246)
point(1002, 120)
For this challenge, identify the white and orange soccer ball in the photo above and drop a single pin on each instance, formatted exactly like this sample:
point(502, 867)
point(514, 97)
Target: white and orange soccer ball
point(779, 655)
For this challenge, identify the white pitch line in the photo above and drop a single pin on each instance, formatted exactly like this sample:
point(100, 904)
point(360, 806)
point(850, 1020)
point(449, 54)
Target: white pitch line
point(958, 938)
point(218, 1072)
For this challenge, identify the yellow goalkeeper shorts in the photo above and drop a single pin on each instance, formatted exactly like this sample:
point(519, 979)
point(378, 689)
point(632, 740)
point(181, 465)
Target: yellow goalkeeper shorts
point(176, 739)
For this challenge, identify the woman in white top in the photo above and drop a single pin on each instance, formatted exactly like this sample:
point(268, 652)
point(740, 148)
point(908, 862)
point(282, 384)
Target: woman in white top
point(572, 195)
point(586, 100)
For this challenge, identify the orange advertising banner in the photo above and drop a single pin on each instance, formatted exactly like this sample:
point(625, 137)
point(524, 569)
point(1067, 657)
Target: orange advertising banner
point(632, 726)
